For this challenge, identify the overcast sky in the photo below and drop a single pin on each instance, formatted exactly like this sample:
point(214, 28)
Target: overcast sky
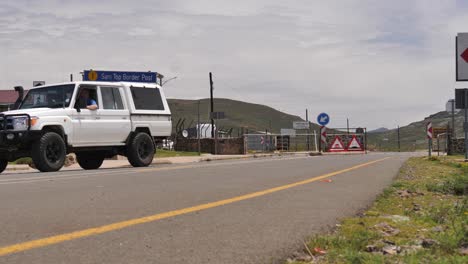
point(379, 63)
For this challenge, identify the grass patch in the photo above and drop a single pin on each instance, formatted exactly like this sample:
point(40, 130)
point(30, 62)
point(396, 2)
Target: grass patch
point(19, 161)
point(161, 153)
point(421, 218)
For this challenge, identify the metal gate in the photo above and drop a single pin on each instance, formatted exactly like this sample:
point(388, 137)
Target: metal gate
point(258, 143)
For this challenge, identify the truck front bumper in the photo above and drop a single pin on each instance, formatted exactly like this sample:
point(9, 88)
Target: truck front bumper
point(15, 144)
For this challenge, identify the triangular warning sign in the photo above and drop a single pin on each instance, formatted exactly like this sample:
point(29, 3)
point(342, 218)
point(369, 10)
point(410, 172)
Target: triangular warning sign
point(355, 145)
point(337, 145)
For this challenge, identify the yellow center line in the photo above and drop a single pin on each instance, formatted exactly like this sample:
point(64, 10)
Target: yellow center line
point(128, 223)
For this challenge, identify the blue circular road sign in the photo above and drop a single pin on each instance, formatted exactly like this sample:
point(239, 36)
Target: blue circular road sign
point(323, 119)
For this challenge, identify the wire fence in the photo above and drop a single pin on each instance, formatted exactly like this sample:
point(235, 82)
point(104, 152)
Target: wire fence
point(441, 144)
point(283, 143)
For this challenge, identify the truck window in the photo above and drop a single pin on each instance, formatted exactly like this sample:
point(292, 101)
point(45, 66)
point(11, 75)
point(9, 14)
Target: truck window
point(86, 95)
point(147, 98)
point(111, 98)
point(52, 97)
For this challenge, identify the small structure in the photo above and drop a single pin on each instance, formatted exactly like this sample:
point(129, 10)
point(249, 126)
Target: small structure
point(7, 99)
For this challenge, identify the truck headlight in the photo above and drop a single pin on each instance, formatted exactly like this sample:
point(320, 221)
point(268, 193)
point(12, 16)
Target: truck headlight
point(20, 123)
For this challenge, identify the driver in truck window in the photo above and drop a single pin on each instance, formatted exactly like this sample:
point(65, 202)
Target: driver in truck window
point(84, 98)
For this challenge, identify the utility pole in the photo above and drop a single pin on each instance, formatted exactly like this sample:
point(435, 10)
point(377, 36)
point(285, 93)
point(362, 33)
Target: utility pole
point(465, 124)
point(399, 149)
point(453, 118)
point(347, 125)
point(198, 129)
point(308, 129)
point(212, 106)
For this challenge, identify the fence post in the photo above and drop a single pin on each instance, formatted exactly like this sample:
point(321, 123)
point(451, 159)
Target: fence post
point(315, 141)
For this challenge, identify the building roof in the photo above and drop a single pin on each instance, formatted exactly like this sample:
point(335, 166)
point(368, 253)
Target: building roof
point(8, 96)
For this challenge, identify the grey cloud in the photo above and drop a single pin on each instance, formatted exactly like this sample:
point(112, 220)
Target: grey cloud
point(362, 59)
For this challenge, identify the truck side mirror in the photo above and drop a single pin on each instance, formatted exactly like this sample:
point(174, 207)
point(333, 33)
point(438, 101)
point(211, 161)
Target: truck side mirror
point(77, 105)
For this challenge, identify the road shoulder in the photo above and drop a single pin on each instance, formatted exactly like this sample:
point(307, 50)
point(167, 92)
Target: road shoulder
point(421, 217)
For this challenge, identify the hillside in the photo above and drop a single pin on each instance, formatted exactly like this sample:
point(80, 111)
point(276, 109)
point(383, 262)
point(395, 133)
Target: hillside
point(379, 130)
point(254, 117)
point(413, 136)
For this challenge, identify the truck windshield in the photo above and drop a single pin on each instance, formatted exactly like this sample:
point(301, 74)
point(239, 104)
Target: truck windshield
point(51, 97)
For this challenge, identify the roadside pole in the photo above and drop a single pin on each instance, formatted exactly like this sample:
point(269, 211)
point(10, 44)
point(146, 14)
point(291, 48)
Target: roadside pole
point(438, 146)
point(308, 130)
point(320, 141)
point(453, 119)
point(365, 140)
point(198, 129)
point(465, 124)
point(399, 146)
point(212, 106)
point(429, 137)
point(216, 138)
point(323, 119)
point(347, 126)
point(315, 141)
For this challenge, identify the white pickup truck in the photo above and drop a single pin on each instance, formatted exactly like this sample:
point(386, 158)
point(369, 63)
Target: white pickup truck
point(94, 120)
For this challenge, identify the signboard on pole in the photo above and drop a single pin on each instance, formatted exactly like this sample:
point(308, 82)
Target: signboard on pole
point(451, 107)
point(462, 57)
point(323, 119)
point(118, 76)
point(355, 145)
point(429, 130)
point(300, 125)
point(323, 134)
point(288, 132)
point(337, 145)
point(460, 98)
point(38, 83)
point(429, 137)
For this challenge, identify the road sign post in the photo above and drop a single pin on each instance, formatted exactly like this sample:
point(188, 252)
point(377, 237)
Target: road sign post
point(465, 124)
point(323, 137)
point(323, 119)
point(429, 137)
point(462, 57)
point(118, 76)
point(461, 102)
point(300, 125)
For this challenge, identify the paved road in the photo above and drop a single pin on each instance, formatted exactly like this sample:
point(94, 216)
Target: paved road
point(249, 211)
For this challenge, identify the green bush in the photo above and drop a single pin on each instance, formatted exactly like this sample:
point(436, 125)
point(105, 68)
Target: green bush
point(456, 185)
point(26, 161)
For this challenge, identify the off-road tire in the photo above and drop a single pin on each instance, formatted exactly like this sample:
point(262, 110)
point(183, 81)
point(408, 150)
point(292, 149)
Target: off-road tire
point(3, 165)
point(140, 151)
point(89, 160)
point(49, 152)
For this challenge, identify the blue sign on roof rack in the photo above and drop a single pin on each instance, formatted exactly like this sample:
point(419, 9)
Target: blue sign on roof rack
point(118, 76)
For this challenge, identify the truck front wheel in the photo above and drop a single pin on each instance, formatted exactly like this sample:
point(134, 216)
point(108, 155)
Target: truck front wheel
point(48, 153)
point(90, 161)
point(3, 165)
point(140, 151)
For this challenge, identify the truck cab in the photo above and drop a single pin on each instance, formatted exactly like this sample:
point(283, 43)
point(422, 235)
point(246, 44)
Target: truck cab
point(94, 120)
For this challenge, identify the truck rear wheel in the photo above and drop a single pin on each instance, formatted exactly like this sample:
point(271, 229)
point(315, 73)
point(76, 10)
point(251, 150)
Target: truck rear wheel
point(3, 165)
point(48, 153)
point(90, 161)
point(140, 151)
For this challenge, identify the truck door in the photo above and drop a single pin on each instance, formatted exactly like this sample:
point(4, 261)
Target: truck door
point(114, 115)
point(85, 132)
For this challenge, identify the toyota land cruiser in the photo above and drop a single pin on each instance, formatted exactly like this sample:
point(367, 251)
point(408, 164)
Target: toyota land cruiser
point(94, 120)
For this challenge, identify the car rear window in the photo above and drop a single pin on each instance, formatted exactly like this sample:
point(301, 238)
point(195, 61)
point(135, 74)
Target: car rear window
point(147, 98)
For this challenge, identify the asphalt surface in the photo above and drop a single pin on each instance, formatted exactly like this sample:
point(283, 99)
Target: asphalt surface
point(264, 228)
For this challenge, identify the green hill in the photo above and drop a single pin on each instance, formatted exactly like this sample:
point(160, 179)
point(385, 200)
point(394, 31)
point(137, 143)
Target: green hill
point(254, 117)
point(257, 117)
point(413, 136)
